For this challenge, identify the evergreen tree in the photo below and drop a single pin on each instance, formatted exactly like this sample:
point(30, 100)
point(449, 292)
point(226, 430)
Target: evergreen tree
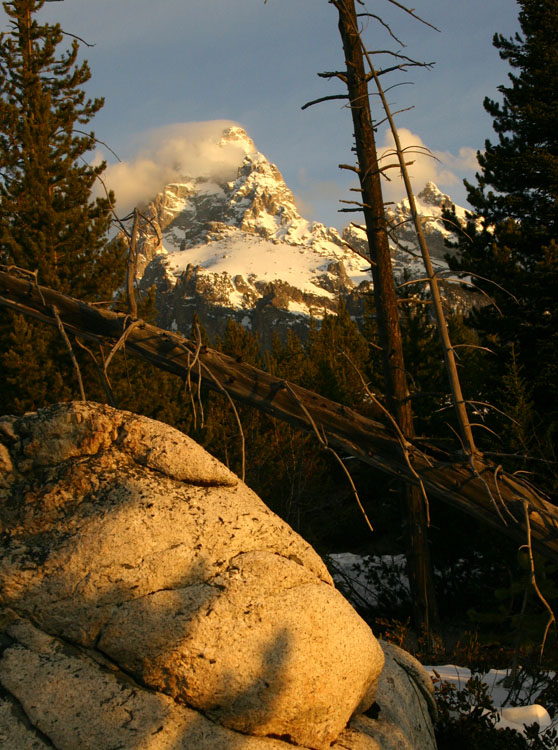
point(49, 222)
point(332, 374)
point(523, 166)
point(240, 343)
point(512, 238)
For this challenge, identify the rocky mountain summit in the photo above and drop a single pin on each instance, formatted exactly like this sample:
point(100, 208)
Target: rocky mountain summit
point(241, 249)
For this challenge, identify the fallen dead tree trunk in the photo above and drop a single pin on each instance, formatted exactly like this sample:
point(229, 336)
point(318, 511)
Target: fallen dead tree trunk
point(484, 490)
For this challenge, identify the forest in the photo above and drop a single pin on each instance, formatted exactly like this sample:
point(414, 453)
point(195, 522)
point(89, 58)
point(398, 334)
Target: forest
point(479, 390)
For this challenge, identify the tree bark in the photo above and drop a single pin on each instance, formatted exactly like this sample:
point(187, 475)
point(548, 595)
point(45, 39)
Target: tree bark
point(132, 268)
point(489, 494)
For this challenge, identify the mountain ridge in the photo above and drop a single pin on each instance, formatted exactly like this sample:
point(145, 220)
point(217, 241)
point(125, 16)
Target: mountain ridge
point(240, 248)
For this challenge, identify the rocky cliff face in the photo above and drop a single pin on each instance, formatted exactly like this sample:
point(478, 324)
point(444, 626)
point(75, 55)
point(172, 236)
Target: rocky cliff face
point(241, 249)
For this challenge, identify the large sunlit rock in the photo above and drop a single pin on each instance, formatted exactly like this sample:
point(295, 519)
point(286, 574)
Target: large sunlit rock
point(404, 710)
point(138, 574)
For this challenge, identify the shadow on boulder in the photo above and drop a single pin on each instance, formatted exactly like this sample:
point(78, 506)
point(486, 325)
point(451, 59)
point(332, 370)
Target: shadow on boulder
point(151, 601)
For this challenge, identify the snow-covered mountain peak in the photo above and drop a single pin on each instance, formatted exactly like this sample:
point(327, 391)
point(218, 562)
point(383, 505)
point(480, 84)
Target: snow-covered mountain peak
point(433, 196)
point(239, 248)
point(239, 137)
point(258, 201)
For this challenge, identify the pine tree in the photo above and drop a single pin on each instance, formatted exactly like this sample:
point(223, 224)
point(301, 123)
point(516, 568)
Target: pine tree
point(340, 356)
point(240, 343)
point(523, 166)
point(49, 222)
point(512, 237)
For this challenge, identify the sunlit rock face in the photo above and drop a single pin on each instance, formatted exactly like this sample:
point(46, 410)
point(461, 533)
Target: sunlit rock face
point(137, 573)
point(240, 249)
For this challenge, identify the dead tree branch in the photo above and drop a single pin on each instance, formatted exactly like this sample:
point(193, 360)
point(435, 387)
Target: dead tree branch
point(384, 24)
point(444, 475)
point(449, 354)
point(70, 350)
point(411, 12)
point(322, 439)
point(324, 99)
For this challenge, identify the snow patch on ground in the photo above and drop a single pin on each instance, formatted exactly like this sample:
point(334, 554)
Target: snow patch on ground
point(349, 573)
point(512, 717)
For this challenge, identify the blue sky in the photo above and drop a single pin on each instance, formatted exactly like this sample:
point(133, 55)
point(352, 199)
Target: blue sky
point(179, 61)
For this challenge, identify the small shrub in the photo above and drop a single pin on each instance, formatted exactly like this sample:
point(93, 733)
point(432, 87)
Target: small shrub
point(467, 720)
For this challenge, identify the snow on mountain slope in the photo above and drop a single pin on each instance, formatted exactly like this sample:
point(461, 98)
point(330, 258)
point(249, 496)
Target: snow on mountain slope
point(405, 251)
point(241, 249)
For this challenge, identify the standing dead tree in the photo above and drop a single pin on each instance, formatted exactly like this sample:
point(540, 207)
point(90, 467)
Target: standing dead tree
point(459, 403)
point(369, 172)
point(507, 505)
point(131, 268)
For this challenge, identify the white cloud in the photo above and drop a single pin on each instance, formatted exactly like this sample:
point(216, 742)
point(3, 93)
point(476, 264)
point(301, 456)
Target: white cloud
point(171, 153)
point(441, 167)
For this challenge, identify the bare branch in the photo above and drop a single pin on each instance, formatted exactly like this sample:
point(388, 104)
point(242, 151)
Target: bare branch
point(394, 85)
point(399, 56)
point(384, 24)
point(529, 547)
point(121, 341)
point(406, 446)
point(413, 301)
point(355, 203)
point(70, 350)
point(411, 12)
point(226, 393)
point(113, 212)
point(350, 167)
point(357, 252)
point(96, 140)
point(100, 372)
point(151, 224)
point(323, 440)
point(397, 112)
point(342, 75)
point(449, 356)
point(413, 148)
point(324, 99)
point(73, 36)
point(392, 68)
point(474, 346)
point(131, 268)
point(488, 281)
